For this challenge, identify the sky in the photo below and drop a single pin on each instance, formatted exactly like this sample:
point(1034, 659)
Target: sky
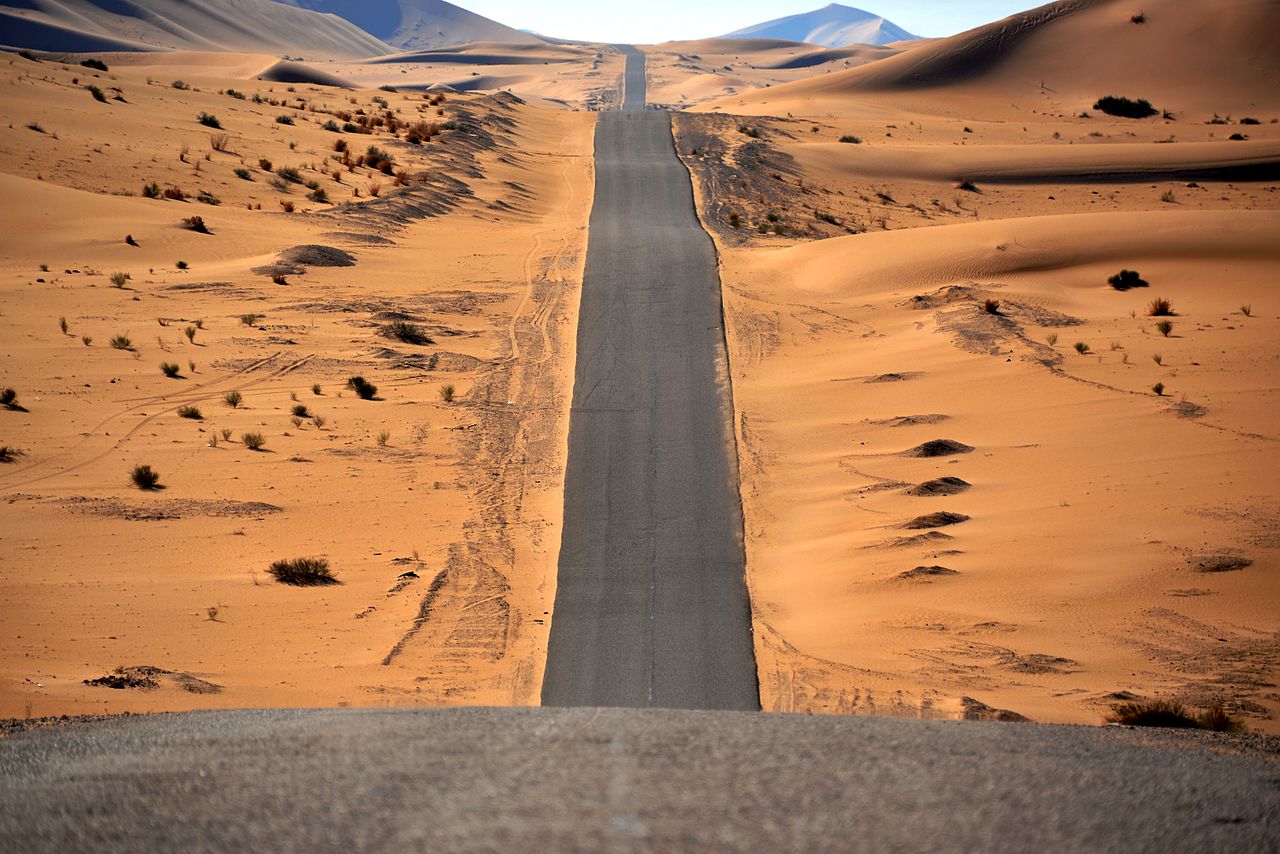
point(651, 21)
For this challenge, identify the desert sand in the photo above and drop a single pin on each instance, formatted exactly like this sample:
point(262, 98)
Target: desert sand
point(421, 505)
point(978, 481)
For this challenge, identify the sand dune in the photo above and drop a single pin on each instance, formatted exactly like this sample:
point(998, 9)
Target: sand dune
point(420, 24)
point(247, 25)
point(834, 25)
point(1185, 56)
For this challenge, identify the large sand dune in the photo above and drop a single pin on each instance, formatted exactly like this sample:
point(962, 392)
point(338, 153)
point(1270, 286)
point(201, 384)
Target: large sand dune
point(242, 25)
point(420, 24)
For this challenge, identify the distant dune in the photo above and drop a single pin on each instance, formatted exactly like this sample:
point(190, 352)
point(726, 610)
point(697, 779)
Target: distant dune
point(1217, 56)
point(249, 26)
point(834, 25)
point(419, 24)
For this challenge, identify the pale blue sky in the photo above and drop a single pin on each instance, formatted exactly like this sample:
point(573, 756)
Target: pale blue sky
point(645, 21)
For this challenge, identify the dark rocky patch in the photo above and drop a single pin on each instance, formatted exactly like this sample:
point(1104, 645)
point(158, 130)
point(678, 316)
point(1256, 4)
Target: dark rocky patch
point(940, 486)
point(1220, 562)
point(936, 520)
point(938, 448)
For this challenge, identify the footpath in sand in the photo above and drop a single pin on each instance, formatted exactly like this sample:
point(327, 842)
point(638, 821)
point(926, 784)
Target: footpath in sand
point(977, 480)
point(437, 503)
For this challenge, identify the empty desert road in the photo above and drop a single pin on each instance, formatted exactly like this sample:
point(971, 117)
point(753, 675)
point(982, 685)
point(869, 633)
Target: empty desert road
point(624, 780)
point(651, 608)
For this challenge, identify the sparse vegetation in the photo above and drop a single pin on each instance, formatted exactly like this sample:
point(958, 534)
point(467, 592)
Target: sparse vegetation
point(315, 389)
point(1052, 338)
point(288, 207)
point(209, 121)
point(145, 477)
point(97, 93)
point(968, 186)
point(219, 141)
point(319, 196)
point(1170, 713)
point(1160, 307)
point(364, 389)
point(9, 399)
point(1169, 197)
point(8, 454)
point(233, 399)
point(249, 319)
point(747, 130)
point(86, 340)
point(190, 332)
point(253, 441)
point(1157, 358)
point(447, 393)
point(318, 420)
point(300, 410)
point(1127, 280)
point(383, 438)
point(1082, 348)
point(182, 265)
point(95, 64)
point(991, 306)
point(170, 370)
point(284, 120)
point(207, 198)
point(850, 139)
point(121, 342)
point(1125, 108)
point(409, 333)
point(289, 173)
point(303, 572)
point(151, 191)
point(1158, 388)
point(1246, 310)
point(63, 325)
point(118, 279)
point(196, 224)
point(192, 412)
point(279, 279)
point(243, 174)
point(1164, 327)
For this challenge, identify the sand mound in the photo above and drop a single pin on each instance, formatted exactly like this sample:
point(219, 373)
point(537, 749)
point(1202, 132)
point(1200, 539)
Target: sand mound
point(940, 486)
point(297, 72)
point(941, 519)
point(926, 573)
point(938, 448)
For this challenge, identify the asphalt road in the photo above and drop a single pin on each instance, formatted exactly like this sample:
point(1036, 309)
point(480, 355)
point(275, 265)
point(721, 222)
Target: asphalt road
point(620, 780)
point(651, 607)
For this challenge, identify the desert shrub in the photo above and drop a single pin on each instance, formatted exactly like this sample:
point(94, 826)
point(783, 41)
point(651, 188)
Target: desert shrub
point(1126, 279)
point(331, 126)
point(1139, 18)
point(375, 157)
point(118, 279)
point(1158, 388)
point(243, 173)
point(8, 454)
point(182, 265)
point(288, 207)
point(1125, 108)
point(1237, 137)
point(296, 421)
point(253, 441)
point(9, 398)
point(219, 141)
point(290, 174)
point(1157, 358)
point(95, 64)
point(151, 191)
point(226, 434)
point(364, 389)
point(383, 438)
point(1246, 310)
point(1164, 327)
point(1169, 197)
point(403, 330)
point(735, 221)
point(205, 197)
point(97, 94)
point(300, 410)
point(232, 93)
point(145, 477)
point(278, 278)
point(249, 319)
point(190, 332)
point(318, 195)
point(63, 325)
point(192, 412)
point(968, 186)
point(196, 223)
point(1160, 307)
point(284, 120)
point(348, 127)
point(35, 126)
point(121, 342)
point(447, 393)
point(991, 306)
point(169, 369)
point(179, 84)
point(850, 139)
point(264, 164)
point(175, 194)
point(1170, 713)
point(209, 121)
point(303, 572)
point(823, 216)
point(1082, 348)
point(374, 188)
point(1052, 338)
point(315, 389)
point(232, 398)
point(747, 130)
point(278, 184)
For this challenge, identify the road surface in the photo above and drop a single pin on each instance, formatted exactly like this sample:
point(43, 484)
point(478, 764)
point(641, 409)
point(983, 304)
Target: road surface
point(651, 608)
point(464, 780)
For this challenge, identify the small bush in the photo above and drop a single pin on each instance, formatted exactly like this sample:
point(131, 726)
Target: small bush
point(284, 120)
point(364, 390)
point(249, 319)
point(300, 410)
point(991, 306)
point(747, 130)
point(279, 278)
point(190, 332)
point(968, 186)
point(9, 398)
point(288, 207)
point(1169, 197)
point(121, 342)
point(63, 325)
point(145, 477)
point(1052, 338)
point(1246, 310)
point(219, 141)
point(243, 173)
point(1170, 713)
point(331, 126)
point(1158, 388)
point(1237, 137)
point(735, 221)
point(196, 224)
point(1164, 327)
point(447, 393)
point(209, 121)
point(290, 174)
point(35, 126)
point(303, 572)
point(1157, 358)
point(1125, 108)
point(383, 438)
point(207, 198)
point(318, 195)
point(151, 191)
point(179, 85)
point(232, 93)
point(175, 194)
point(1082, 348)
point(97, 94)
point(95, 64)
point(1160, 307)
point(1139, 18)
point(375, 158)
point(264, 164)
point(170, 370)
point(315, 389)
point(409, 333)
point(253, 441)
point(118, 279)
point(232, 399)
point(192, 412)
point(851, 139)
point(1126, 280)
point(8, 454)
